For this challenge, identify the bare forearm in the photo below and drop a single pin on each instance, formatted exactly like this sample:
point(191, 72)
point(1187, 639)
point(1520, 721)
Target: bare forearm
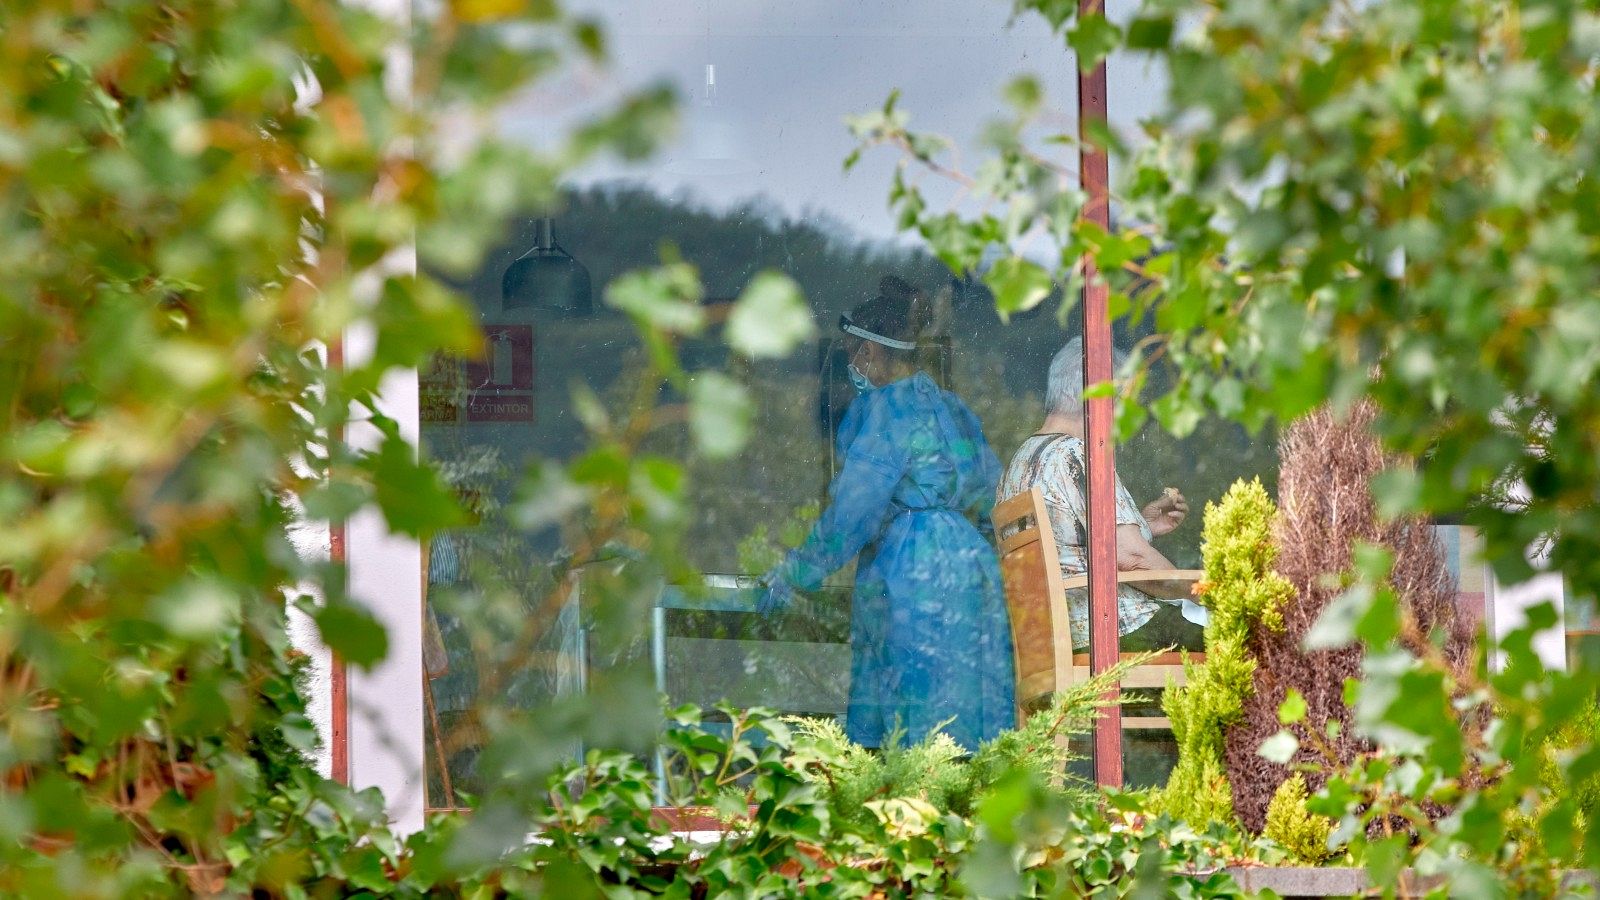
point(1134, 553)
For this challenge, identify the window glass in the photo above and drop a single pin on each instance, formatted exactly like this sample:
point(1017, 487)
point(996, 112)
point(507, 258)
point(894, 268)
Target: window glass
point(1463, 554)
point(1165, 481)
point(754, 181)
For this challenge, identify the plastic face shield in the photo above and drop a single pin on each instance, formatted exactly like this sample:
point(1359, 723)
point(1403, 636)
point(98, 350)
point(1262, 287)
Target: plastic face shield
point(851, 328)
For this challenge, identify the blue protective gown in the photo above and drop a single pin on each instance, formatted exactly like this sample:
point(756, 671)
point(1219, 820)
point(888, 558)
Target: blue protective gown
point(930, 638)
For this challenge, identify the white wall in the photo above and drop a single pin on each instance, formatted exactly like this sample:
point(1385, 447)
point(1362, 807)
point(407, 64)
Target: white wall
point(385, 570)
point(385, 575)
point(313, 543)
point(1507, 609)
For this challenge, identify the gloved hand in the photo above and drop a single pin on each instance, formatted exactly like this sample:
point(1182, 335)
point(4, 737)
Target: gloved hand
point(777, 594)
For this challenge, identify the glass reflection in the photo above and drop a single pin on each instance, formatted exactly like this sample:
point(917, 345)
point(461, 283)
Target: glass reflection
point(930, 639)
point(914, 631)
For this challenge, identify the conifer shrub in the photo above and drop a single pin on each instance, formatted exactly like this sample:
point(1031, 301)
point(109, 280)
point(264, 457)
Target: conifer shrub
point(1304, 834)
point(1576, 801)
point(1243, 594)
point(1327, 510)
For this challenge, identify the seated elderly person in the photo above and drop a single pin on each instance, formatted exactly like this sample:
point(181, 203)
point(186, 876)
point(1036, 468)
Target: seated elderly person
point(1052, 460)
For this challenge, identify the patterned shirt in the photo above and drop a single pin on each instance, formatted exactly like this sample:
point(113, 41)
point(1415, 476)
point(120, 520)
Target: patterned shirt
point(1054, 464)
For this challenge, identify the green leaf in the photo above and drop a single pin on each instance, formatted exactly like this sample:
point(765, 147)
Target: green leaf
point(546, 496)
point(658, 486)
point(770, 318)
point(719, 414)
point(198, 608)
point(1150, 33)
point(1178, 414)
point(1280, 748)
point(352, 633)
point(414, 499)
point(1336, 626)
point(1093, 37)
point(1018, 285)
point(666, 298)
point(1292, 709)
point(588, 35)
point(332, 501)
point(1024, 94)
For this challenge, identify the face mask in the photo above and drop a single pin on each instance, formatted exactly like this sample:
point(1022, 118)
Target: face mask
point(859, 381)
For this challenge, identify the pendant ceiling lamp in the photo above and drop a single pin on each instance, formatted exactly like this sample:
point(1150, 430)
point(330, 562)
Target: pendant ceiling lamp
point(547, 278)
point(715, 144)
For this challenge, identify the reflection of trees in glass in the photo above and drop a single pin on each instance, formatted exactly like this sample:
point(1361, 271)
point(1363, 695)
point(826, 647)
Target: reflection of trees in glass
point(998, 369)
point(481, 591)
point(782, 470)
point(775, 484)
point(764, 547)
point(785, 464)
point(1008, 415)
point(620, 227)
point(1202, 465)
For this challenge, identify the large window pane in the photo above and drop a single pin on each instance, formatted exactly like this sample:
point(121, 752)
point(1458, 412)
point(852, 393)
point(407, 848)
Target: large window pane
point(754, 182)
point(1168, 481)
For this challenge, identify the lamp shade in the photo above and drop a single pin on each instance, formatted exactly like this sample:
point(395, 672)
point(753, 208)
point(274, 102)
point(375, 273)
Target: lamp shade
point(547, 277)
point(717, 145)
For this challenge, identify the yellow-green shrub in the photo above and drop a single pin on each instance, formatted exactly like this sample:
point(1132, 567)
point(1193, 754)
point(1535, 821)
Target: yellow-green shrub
point(1301, 832)
point(1241, 591)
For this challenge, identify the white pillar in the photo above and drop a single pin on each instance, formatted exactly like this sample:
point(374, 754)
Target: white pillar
point(312, 541)
point(385, 575)
point(385, 570)
point(1508, 604)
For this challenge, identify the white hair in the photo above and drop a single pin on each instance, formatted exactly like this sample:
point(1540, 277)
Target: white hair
point(1064, 392)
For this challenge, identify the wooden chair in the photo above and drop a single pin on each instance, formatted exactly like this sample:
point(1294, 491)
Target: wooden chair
point(1030, 570)
point(1036, 597)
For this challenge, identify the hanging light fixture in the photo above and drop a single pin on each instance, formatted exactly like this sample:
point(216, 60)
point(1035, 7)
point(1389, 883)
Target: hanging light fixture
point(547, 277)
point(716, 141)
point(717, 146)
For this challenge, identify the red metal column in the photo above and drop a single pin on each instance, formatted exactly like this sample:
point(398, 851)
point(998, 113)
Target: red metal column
point(1094, 176)
point(338, 681)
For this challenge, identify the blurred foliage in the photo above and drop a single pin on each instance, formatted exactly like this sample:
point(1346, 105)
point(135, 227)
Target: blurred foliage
point(1517, 794)
point(1339, 201)
point(197, 201)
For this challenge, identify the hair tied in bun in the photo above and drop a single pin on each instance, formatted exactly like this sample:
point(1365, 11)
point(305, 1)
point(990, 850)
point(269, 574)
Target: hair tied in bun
point(895, 287)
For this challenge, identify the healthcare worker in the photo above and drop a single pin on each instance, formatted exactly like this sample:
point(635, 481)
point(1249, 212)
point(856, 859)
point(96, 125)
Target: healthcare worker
point(930, 638)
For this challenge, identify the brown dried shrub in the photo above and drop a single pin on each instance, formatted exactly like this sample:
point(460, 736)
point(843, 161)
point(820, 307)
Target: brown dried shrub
point(1326, 508)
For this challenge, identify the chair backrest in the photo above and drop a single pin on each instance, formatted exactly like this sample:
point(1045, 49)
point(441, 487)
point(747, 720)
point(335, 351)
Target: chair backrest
point(1030, 569)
